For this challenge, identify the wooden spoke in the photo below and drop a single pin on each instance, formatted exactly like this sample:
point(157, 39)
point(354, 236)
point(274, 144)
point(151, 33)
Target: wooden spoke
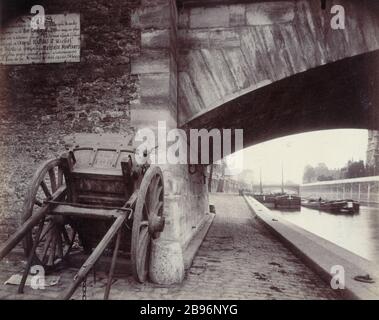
point(158, 206)
point(38, 202)
point(157, 198)
point(46, 229)
point(68, 245)
point(59, 246)
point(153, 191)
point(65, 235)
point(60, 177)
point(45, 189)
point(159, 192)
point(143, 246)
point(50, 260)
point(53, 182)
point(146, 211)
point(46, 247)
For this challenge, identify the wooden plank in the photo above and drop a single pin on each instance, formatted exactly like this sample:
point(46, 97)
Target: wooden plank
point(151, 61)
point(103, 188)
point(127, 173)
point(67, 164)
point(91, 206)
point(72, 210)
point(269, 13)
point(99, 141)
point(98, 173)
point(100, 199)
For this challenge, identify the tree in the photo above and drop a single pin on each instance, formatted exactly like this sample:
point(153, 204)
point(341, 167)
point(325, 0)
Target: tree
point(309, 174)
point(355, 169)
point(325, 178)
point(321, 170)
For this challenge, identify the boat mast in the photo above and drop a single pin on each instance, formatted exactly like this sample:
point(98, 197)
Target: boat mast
point(282, 180)
point(260, 180)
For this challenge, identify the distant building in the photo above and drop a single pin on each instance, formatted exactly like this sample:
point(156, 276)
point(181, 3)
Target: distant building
point(219, 181)
point(246, 176)
point(373, 151)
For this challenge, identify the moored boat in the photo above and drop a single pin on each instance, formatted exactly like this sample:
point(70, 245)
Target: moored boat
point(334, 206)
point(310, 203)
point(265, 198)
point(340, 206)
point(287, 201)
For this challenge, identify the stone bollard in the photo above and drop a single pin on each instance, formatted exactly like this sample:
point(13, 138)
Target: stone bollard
point(166, 262)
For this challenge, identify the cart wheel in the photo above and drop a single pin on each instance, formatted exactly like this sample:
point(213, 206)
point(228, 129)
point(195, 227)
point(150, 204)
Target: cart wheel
point(57, 237)
point(148, 221)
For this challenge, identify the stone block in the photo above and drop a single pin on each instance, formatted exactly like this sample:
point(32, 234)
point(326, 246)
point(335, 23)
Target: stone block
point(152, 17)
point(224, 39)
point(154, 88)
point(268, 13)
point(151, 61)
point(237, 15)
point(173, 228)
point(155, 39)
point(209, 17)
point(151, 3)
point(148, 118)
point(188, 96)
point(166, 262)
point(183, 19)
point(192, 39)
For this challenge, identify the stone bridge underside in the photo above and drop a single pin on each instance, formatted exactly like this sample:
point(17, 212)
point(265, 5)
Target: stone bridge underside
point(278, 68)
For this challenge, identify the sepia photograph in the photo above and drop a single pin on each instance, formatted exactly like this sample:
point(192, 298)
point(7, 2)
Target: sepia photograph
point(190, 155)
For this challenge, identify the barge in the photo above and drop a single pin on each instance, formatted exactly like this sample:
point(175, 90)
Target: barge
point(334, 206)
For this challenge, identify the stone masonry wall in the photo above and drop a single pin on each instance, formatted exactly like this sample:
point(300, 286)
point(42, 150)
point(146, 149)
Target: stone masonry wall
point(41, 103)
point(186, 198)
point(227, 51)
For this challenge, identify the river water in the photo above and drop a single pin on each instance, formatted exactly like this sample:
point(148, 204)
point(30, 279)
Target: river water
point(358, 233)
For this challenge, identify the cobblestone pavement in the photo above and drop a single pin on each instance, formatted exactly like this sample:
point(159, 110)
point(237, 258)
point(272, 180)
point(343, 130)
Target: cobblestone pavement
point(239, 259)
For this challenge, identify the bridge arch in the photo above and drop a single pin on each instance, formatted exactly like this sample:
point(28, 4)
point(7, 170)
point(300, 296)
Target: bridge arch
point(285, 74)
point(326, 97)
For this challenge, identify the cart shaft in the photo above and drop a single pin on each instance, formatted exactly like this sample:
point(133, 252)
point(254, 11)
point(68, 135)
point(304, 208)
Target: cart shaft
point(96, 254)
point(20, 234)
point(29, 224)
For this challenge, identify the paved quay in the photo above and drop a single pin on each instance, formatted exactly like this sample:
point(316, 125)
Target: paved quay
point(239, 259)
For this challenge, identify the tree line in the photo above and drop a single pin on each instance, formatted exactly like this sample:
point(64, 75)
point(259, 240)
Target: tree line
point(321, 172)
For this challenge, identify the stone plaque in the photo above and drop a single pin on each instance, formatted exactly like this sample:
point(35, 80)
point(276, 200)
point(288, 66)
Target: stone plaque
point(58, 42)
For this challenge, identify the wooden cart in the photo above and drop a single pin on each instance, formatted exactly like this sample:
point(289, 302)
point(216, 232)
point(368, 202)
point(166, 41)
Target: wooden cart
point(94, 197)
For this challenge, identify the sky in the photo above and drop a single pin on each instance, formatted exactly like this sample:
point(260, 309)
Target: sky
point(332, 147)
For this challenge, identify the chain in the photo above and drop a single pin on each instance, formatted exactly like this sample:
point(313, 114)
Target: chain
point(84, 289)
